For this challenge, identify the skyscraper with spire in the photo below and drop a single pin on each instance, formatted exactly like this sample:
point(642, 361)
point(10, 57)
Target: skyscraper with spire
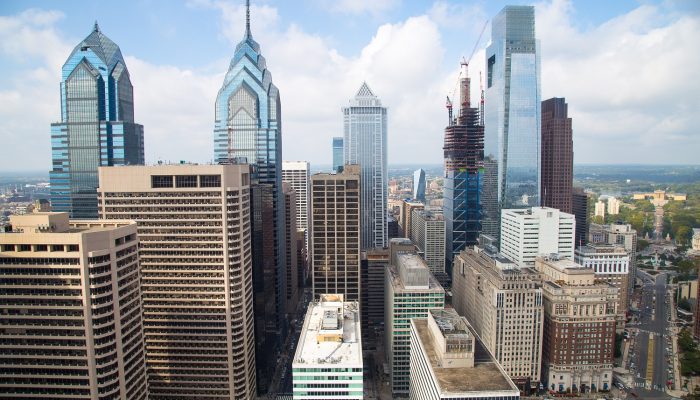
point(97, 124)
point(464, 157)
point(248, 126)
point(365, 130)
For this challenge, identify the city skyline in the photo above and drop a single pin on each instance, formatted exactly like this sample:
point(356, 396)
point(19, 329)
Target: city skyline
point(368, 46)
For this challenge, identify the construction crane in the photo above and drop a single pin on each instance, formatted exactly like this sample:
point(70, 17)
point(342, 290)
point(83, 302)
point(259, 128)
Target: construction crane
point(463, 74)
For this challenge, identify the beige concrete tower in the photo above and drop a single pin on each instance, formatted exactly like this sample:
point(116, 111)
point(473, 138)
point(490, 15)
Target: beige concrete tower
point(196, 266)
point(335, 233)
point(70, 310)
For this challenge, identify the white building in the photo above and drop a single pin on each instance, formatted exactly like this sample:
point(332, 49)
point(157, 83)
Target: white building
point(449, 362)
point(428, 233)
point(696, 239)
point(297, 174)
point(611, 263)
point(328, 360)
point(527, 233)
point(599, 209)
point(613, 206)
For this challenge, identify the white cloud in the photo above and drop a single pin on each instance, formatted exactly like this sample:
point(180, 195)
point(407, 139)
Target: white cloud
point(374, 7)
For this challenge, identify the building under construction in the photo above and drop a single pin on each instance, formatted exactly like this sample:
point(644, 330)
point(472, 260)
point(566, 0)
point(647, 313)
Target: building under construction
point(464, 156)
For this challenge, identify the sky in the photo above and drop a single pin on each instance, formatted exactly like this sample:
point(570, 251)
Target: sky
point(627, 68)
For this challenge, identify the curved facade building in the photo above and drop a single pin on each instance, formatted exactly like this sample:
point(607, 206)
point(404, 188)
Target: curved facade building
point(97, 124)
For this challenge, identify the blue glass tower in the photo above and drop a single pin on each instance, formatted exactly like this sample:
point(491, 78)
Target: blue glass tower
point(419, 184)
point(97, 124)
point(337, 154)
point(248, 126)
point(512, 112)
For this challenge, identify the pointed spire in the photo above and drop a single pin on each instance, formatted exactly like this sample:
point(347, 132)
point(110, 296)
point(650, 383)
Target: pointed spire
point(247, 19)
point(96, 28)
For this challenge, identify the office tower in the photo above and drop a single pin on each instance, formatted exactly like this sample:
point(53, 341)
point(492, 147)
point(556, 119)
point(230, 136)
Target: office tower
point(419, 185)
point(408, 206)
point(579, 205)
point(512, 110)
point(411, 291)
point(448, 361)
point(599, 209)
point(291, 262)
point(297, 174)
point(196, 274)
point(365, 129)
point(373, 267)
point(302, 259)
point(335, 233)
point(428, 234)
point(557, 155)
point(71, 309)
point(527, 233)
point(248, 127)
point(392, 227)
point(338, 154)
point(97, 124)
point(328, 360)
point(579, 327)
point(613, 206)
point(464, 162)
point(503, 302)
point(621, 235)
point(611, 264)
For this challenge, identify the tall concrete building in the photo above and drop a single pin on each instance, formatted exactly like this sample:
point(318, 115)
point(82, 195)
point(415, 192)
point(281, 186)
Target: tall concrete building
point(579, 205)
point(448, 361)
point(557, 154)
point(365, 144)
point(503, 302)
point(512, 110)
point(70, 309)
point(335, 233)
point(613, 206)
point(97, 125)
point(599, 210)
point(338, 154)
point(419, 184)
point(428, 234)
point(248, 126)
point(408, 206)
point(196, 274)
point(611, 264)
point(290, 250)
point(410, 290)
point(579, 327)
point(527, 233)
point(328, 360)
point(621, 235)
point(297, 174)
point(464, 160)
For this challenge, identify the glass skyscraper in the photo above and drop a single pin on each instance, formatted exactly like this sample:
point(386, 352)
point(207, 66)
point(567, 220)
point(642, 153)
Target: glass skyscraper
point(419, 184)
point(248, 127)
point(512, 110)
point(365, 144)
point(337, 154)
point(97, 124)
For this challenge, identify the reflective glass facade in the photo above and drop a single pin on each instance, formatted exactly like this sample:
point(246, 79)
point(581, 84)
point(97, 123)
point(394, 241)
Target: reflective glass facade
point(512, 109)
point(248, 125)
point(419, 185)
point(97, 124)
point(365, 144)
point(337, 153)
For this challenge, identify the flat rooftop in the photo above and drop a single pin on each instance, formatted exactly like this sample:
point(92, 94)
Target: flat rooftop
point(485, 376)
point(341, 344)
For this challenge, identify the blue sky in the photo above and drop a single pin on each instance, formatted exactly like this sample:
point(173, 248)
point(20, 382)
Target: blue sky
point(620, 64)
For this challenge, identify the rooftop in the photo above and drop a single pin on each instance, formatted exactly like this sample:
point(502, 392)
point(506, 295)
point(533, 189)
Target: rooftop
point(600, 248)
point(485, 375)
point(331, 334)
point(411, 273)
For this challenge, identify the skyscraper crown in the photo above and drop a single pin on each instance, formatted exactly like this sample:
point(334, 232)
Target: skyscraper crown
point(107, 51)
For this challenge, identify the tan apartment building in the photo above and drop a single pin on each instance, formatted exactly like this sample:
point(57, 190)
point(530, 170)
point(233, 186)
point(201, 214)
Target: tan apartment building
point(196, 267)
point(504, 305)
point(335, 233)
point(70, 309)
point(580, 311)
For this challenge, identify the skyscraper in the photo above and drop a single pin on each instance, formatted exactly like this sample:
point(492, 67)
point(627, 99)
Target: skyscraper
point(248, 125)
point(196, 274)
point(297, 173)
point(335, 230)
point(365, 128)
point(527, 233)
point(512, 109)
point(579, 205)
point(97, 124)
point(464, 156)
point(337, 154)
point(419, 185)
point(290, 253)
point(71, 310)
point(557, 155)
point(428, 234)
